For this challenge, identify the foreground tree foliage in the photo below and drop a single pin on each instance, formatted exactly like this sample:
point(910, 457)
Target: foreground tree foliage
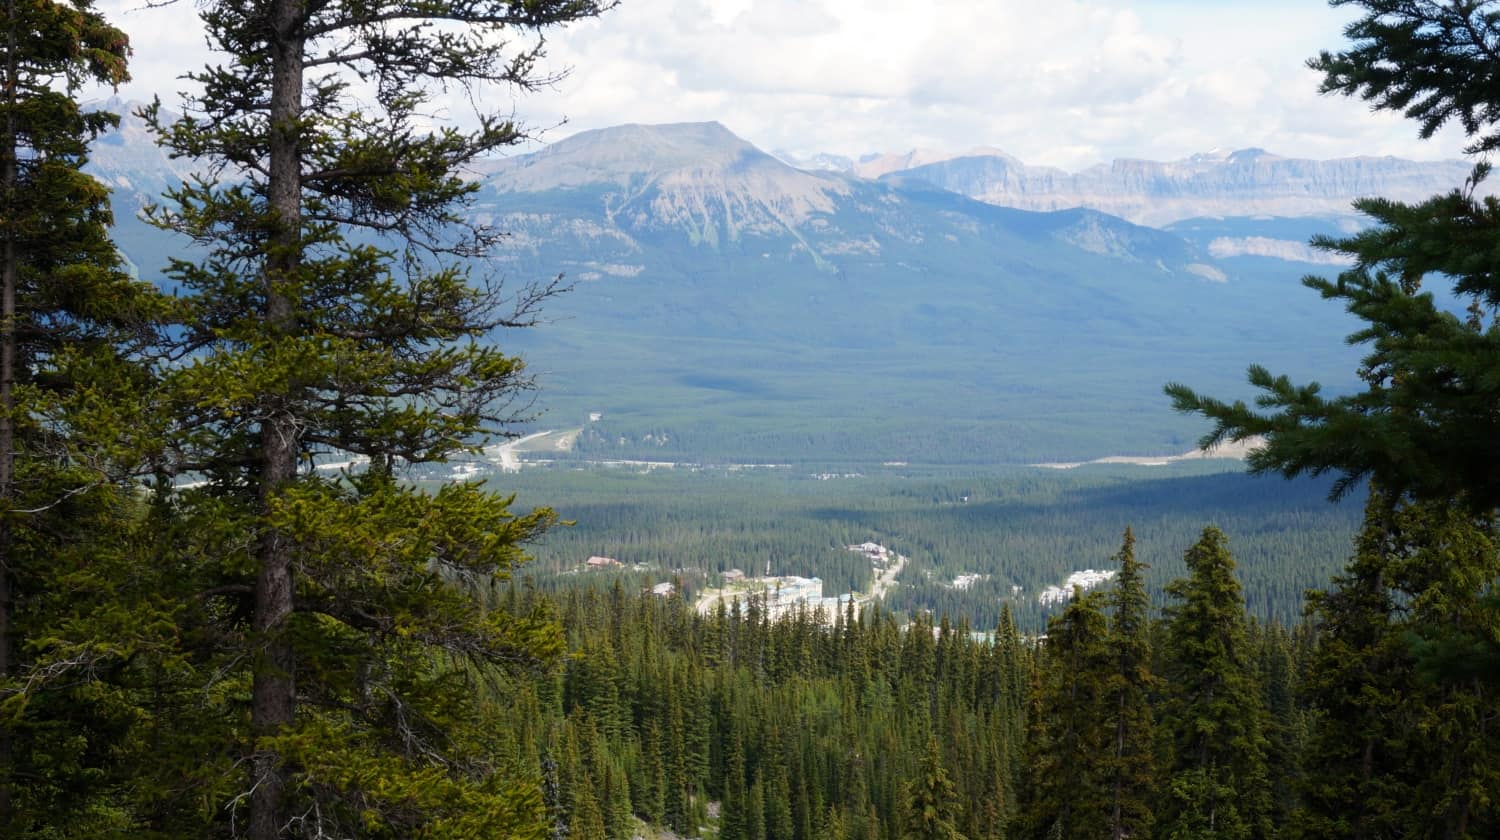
point(333, 318)
point(1401, 747)
point(932, 807)
point(77, 614)
point(1425, 424)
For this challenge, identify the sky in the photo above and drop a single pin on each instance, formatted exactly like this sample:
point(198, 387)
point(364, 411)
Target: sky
point(1066, 83)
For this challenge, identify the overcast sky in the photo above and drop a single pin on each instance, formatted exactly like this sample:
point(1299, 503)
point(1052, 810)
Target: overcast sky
point(1062, 82)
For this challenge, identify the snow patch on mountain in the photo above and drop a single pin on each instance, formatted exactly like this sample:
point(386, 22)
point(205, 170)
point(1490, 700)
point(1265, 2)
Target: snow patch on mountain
point(1281, 249)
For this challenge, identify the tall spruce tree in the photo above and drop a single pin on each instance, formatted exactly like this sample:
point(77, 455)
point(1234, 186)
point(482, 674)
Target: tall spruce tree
point(70, 319)
point(734, 813)
point(1218, 782)
point(1359, 688)
point(333, 317)
point(932, 806)
point(1286, 729)
point(1131, 763)
point(1067, 795)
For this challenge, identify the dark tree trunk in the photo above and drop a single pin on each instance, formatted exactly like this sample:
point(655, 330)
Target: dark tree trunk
point(273, 698)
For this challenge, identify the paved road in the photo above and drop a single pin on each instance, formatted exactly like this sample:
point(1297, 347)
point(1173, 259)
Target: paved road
point(884, 580)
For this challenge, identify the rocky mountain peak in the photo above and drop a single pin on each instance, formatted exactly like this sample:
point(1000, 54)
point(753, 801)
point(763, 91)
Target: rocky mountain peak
point(696, 176)
point(625, 153)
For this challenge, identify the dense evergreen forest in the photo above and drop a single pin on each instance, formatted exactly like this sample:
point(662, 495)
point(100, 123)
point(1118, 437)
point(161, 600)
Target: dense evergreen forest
point(1124, 721)
point(203, 635)
point(1022, 527)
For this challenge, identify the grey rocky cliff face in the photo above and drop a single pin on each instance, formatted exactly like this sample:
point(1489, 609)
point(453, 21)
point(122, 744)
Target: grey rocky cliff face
point(1245, 183)
point(129, 162)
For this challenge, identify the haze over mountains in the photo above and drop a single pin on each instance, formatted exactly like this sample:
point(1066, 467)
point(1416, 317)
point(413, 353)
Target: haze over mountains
point(1246, 182)
point(731, 307)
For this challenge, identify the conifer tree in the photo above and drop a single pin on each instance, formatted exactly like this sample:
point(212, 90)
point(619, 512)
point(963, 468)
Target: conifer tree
point(1359, 689)
point(932, 806)
point(917, 667)
point(1218, 782)
point(1014, 668)
point(607, 784)
point(74, 609)
point(779, 802)
point(1067, 794)
point(1424, 429)
point(333, 318)
point(1286, 721)
point(734, 818)
point(1130, 767)
point(651, 782)
point(1402, 743)
point(587, 820)
point(855, 814)
point(755, 812)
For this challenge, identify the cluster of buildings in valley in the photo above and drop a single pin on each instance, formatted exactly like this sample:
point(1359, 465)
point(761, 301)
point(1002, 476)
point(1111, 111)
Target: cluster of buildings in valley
point(782, 594)
point(967, 580)
point(1085, 580)
point(599, 562)
point(874, 552)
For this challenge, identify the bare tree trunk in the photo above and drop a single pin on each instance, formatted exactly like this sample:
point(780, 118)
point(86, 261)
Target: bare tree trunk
point(273, 695)
point(7, 383)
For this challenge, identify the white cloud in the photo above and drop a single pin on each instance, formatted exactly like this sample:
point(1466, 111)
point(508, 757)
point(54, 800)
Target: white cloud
point(1064, 82)
point(167, 41)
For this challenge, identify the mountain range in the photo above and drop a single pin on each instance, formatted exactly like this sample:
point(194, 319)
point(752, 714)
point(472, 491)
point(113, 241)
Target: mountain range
point(728, 306)
point(1246, 182)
